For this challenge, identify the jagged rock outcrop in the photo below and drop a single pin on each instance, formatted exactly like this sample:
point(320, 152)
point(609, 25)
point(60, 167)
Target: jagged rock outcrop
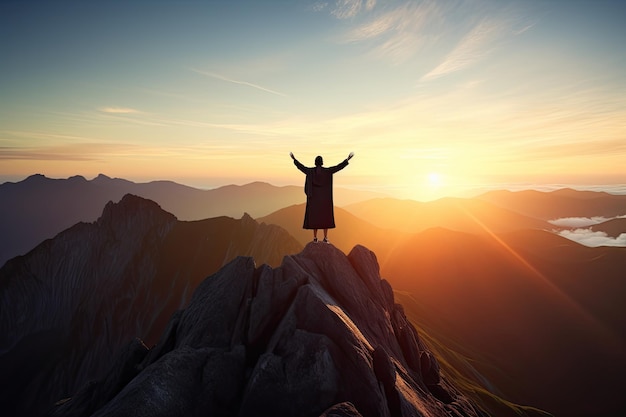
point(320, 335)
point(73, 301)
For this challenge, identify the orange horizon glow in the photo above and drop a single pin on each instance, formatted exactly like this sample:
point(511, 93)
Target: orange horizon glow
point(477, 96)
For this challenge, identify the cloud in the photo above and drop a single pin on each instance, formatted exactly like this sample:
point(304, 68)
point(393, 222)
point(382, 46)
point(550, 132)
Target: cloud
point(410, 17)
point(230, 80)
point(400, 33)
point(473, 47)
point(118, 110)
point(588, 237)
point(120, 114)
point(29, 134)
point(346, 9)
point(525, 28)
point(319, 6)
point(578, 221)
point(581, 222)
point(71, 152)
point(413, 29)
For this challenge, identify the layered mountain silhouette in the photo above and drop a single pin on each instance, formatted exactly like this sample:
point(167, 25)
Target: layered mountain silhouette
point(508, 296)
point(540, 318)
point(558, 204)
point(320, 335)
point(382, 223)
point(352, 230)
point(612, 228)
point(74, 300)
point(38, 207)
point(464, 215)
point(509, 311)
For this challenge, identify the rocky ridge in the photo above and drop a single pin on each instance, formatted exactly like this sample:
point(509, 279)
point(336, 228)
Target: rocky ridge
point(73, 301)
point(320, 335)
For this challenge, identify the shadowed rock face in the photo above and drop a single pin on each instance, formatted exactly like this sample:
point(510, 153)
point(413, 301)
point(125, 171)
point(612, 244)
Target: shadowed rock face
point(318, 336)
point(72, 302)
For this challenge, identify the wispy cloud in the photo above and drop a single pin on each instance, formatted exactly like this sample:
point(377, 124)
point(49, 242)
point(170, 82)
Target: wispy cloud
point(120, 114)
point(399, 33)
point(69, 152)
point(346, 9)
point(473, 47)
point(240, 82)
point(524, 28)
point(411, 29)
point(319, 6)
point(409, 17)
point(118, 110)
point(21, 134)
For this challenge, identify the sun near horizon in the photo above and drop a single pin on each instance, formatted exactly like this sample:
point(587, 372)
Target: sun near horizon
point(435, 98)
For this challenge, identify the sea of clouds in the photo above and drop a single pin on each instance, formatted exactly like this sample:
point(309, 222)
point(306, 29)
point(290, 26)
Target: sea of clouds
point(581, 232)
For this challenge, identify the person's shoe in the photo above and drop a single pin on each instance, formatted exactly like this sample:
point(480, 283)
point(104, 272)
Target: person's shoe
point(326, 240)
point(314, 240)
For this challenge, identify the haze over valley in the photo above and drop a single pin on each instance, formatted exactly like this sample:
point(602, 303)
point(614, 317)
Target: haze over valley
point(490, 284)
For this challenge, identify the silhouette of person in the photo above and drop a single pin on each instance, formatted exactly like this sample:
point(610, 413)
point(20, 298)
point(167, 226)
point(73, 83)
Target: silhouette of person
point(318, 187)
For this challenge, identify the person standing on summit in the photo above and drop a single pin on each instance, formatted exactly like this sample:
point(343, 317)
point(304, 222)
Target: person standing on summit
point(318, 187)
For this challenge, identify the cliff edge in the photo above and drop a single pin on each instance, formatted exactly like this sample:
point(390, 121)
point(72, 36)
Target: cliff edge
point(320, 335)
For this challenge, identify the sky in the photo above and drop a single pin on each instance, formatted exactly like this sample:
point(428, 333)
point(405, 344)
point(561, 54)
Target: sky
point(434, 97)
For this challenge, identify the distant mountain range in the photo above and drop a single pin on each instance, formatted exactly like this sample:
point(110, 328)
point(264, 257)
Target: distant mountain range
point(38, 207)
point(464, 215)
point(351, 230)
point(559, 204)
point(512, 310)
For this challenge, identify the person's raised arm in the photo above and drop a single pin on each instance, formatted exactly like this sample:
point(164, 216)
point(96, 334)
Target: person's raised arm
point(297, 163)
point(342, 165)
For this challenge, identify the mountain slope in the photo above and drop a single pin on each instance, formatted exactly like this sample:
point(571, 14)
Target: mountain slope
point(558, 204)
point(613, 228)
point(320, 335)
point(350, 231)
point(74, 299)
point(539, 316)
point(38, 208)
point(463, 215)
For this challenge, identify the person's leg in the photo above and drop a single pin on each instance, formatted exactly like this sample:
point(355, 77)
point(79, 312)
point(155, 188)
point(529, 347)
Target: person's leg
point(314, 235)
point(326, 235)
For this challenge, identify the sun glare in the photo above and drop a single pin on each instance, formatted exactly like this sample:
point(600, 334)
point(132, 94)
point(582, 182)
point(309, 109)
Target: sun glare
point(434, 179)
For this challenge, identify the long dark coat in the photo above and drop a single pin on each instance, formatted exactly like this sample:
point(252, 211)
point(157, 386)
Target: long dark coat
point(318, 187)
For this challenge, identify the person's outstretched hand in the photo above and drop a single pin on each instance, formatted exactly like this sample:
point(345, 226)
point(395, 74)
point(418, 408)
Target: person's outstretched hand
point(350, 156)
point(291, 155)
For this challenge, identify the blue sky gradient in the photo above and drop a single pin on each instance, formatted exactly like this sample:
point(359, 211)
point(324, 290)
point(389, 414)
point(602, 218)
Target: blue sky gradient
point(474, 93)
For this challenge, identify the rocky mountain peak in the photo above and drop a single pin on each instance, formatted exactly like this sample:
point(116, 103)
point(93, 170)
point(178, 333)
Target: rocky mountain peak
point(136, 213)
point(101, 177)
point(35, 178)
point(318, 335)
point(80, 296)
point(133, 205)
